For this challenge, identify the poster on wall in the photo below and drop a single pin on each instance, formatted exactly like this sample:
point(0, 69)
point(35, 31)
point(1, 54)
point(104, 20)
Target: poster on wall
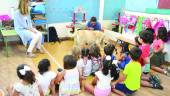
point(164, 4)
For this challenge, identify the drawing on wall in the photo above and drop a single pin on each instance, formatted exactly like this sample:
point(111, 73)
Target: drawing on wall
point(164, 4)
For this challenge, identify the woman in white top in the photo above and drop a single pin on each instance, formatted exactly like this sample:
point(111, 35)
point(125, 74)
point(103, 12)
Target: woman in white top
point(84, 64)
point(46, 77)
point(25, 30)
point(69, 78)
point(103, 79)
point(28, 85)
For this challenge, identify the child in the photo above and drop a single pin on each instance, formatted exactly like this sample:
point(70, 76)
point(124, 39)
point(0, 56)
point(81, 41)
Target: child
point(151, 30)
point(76, 52)
point(103, 79)
point(46, 77)
point(122, 60)
point(95, 56)
point(28, 85)
point(108, 50)
point(69, 77)
point(84, 64)
point(131, 75)
point(157, 60)
point(145, 38)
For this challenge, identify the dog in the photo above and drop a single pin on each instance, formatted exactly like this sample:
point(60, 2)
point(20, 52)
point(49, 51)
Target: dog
point(84, 38)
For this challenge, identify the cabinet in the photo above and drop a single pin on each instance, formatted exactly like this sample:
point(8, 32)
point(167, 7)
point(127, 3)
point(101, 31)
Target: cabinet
point(38, 16)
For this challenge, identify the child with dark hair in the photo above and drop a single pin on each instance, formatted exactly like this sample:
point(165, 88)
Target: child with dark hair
point(108, 50)
point(95, 56)
point(148, 80)
point(122, 59)
point(28, 85)
point(46, 77)
point(69, 77)
point(131, 75)
point(145, 38)
point(84, 64)
point(101, 85)
point(158, 59)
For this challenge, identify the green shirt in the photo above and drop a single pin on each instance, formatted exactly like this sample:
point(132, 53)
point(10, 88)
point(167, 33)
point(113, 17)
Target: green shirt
point(133, 71)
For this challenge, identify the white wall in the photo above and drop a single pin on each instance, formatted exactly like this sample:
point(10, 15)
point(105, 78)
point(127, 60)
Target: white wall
point(5, 6)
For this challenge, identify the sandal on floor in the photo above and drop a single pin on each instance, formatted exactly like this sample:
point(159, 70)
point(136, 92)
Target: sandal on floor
point(157, 86)
point(40, 51)
point(30, 54)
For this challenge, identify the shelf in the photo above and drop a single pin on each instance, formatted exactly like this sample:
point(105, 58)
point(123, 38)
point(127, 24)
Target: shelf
point(37, 13)
point(36, 3)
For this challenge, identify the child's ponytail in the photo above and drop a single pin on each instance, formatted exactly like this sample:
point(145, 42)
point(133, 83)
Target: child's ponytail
point(109, 67)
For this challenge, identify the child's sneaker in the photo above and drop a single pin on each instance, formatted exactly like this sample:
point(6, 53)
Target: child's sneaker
point(157, 86)
point(154, 79)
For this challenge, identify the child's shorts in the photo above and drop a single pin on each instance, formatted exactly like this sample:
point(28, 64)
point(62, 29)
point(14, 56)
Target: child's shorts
point(146, 68)
point(123, 88)
point(99, 92)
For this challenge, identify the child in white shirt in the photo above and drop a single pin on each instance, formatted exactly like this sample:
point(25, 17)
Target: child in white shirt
point(46, 77)
point(84, 64)
point(103, 79)
point(28, 85)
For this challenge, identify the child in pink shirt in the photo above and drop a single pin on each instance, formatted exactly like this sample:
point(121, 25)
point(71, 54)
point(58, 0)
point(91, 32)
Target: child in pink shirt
point(146, 38)
point(157, 58)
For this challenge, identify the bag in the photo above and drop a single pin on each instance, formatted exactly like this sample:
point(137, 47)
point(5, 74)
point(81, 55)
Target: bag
point(53, 36)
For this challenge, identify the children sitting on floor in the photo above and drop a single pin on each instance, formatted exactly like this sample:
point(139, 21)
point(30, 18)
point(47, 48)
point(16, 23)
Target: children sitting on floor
point(84, 64)
point(28, 85)
point(131, 75)
point(101, 85)
point(46, 77)
point(157, 60)
point(95, 56)
point(69, 77)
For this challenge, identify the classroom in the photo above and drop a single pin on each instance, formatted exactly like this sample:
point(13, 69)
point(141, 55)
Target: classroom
point(84, 47)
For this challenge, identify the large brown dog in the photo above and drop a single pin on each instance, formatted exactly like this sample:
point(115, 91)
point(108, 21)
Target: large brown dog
point(86, 38)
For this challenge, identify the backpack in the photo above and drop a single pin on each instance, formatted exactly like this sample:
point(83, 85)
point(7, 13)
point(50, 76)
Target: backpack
point(53, 36)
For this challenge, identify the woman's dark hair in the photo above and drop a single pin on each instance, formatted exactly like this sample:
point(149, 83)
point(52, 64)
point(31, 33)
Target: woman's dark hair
point(43, 66)
point(108, 49)
point(85, 52)
point(135, 53)
point(146, 36)
point(151, 30)
point(94, 51)
point(29, 75)
point(109, 67)
point(70, 62)
point(163, 34)
point(93, 19)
